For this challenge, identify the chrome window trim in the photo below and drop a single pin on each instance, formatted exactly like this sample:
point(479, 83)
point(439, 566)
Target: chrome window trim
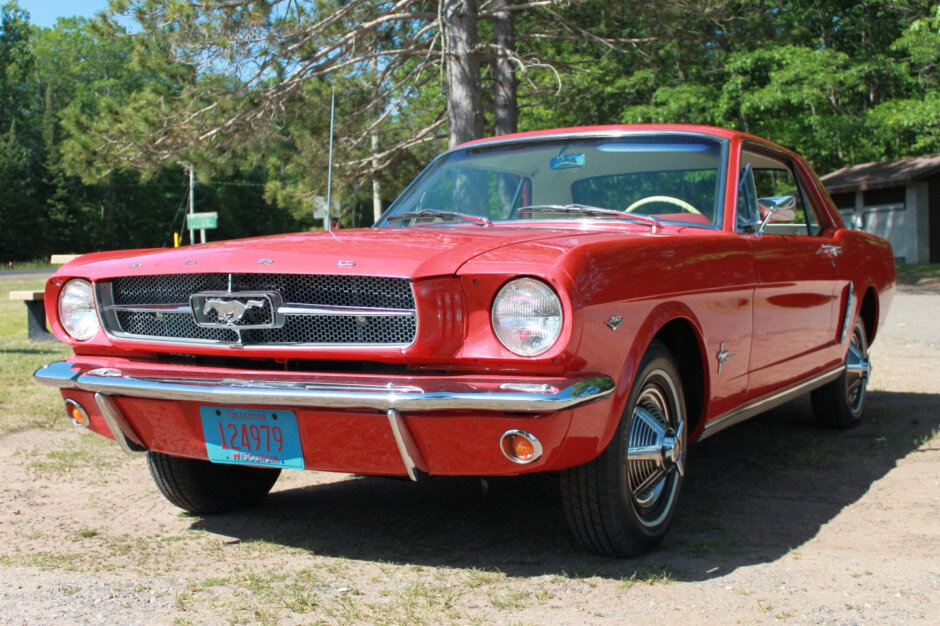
point(790, 163)
point(602, 134)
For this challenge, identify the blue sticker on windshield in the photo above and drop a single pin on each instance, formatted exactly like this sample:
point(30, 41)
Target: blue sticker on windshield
point(570, 161)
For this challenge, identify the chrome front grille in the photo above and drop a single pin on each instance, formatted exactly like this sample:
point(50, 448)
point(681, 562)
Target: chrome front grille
point(167, 326)
point(315, 310)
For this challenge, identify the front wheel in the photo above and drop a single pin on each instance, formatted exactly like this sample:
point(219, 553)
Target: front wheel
point(621, 504)
point(203, 487)
point(839, 404)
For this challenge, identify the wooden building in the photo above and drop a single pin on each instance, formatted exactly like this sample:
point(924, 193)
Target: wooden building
point(899, 200)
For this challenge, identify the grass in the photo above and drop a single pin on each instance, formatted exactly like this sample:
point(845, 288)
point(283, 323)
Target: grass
point(919, 273)
point(87, 533)
point(23, 403)
point(656, 576)
point(925, 438)
point(309, 596)
point(511, 600)
point(35, 264)
point(88, 458)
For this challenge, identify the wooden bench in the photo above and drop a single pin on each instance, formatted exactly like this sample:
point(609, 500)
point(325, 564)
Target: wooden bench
point(35, 307)
point(62, 259)
point(35, 315)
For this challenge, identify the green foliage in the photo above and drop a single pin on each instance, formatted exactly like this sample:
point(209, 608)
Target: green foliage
point(58, 85)
point(841, 82)
point(87, 160)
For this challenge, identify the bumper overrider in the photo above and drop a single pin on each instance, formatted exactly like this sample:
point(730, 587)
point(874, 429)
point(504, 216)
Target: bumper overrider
point(323, 393)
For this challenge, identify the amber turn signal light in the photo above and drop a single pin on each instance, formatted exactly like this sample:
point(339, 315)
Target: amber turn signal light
point(76, 413)
point(520, 447)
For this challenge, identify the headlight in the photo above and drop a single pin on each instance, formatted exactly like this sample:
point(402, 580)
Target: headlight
point(77, 310)
point(527, 316)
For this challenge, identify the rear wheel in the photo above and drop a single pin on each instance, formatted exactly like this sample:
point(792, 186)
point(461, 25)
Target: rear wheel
point(203, 487)
point(839, 404)
point(621, 504)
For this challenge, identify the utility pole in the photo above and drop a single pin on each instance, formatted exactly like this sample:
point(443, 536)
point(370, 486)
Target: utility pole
point(329, 171)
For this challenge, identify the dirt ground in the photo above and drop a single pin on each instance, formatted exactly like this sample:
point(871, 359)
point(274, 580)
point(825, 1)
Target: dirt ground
point(778, 522)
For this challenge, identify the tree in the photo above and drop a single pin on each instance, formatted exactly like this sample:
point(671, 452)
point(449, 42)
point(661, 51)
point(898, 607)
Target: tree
point(250, 69)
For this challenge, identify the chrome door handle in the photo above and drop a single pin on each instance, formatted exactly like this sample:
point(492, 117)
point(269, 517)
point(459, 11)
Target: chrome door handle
point(829, 250)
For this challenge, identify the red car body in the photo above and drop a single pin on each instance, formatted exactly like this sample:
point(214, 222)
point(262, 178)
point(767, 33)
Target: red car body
point(777, 305)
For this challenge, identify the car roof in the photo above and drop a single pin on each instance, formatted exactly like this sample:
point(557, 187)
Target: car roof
point(613, 129)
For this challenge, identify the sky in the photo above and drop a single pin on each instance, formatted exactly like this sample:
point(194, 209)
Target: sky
point(45, 12)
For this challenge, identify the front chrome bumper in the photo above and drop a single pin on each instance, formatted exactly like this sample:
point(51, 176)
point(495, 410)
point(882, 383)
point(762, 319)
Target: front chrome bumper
point(420, 393)
point(408, 394)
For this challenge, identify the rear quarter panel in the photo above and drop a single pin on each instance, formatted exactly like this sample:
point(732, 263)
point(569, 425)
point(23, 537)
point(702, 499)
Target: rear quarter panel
point(867, 262)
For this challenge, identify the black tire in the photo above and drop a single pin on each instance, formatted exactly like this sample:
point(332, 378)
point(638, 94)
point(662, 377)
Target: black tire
point(203, 487)
point(606, 510)
point(839, 404)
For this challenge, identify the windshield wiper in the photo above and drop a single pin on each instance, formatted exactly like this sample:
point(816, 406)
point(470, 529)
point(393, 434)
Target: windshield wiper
point(590, 210)
point(410, 215)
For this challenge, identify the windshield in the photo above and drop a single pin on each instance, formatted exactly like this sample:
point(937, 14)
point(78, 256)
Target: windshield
point(672, 177)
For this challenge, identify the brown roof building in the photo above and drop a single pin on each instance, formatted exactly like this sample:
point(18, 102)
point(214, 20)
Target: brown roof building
point(899, 200)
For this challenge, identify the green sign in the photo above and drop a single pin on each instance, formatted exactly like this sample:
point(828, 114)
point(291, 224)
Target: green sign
point(200, 221)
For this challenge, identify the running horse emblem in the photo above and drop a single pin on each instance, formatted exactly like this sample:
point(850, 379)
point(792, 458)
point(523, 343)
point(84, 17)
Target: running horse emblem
point(230, 312)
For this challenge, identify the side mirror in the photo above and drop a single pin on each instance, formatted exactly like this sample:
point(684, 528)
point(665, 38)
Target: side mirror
point(777, 209)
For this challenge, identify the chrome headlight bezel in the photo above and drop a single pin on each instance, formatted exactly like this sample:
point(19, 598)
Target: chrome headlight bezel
point(541, 315)
point(76, 307)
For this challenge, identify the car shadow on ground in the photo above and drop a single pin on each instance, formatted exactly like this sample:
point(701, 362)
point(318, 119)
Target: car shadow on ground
point(753, 493)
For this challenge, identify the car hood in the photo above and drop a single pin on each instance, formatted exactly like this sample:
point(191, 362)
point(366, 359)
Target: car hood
point(401, 252)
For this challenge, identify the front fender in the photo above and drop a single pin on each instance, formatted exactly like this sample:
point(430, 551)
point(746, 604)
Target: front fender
point(593, 426)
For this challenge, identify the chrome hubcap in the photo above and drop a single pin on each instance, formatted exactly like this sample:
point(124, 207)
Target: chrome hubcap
point(655, 452)
point(858, 371)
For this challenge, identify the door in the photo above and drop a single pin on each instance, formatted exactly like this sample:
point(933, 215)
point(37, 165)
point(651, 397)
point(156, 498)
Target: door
point(795, 259)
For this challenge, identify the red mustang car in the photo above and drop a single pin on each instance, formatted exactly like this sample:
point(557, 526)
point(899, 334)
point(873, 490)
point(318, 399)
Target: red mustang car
point(586, 301)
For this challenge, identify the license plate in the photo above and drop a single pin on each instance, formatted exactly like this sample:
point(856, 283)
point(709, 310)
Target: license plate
point(251, 437)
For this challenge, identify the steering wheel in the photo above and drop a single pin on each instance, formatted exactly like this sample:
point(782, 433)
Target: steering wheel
point(682, 204)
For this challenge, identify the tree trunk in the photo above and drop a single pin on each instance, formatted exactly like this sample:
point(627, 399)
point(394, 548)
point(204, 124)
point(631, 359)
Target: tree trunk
point(464, 101)
point(376, 186)
point(505, 107)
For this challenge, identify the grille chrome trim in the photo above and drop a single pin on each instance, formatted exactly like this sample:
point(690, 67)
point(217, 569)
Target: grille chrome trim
point(294, 308)
point(173, 323)
point(288, 308)
point(149, 308)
